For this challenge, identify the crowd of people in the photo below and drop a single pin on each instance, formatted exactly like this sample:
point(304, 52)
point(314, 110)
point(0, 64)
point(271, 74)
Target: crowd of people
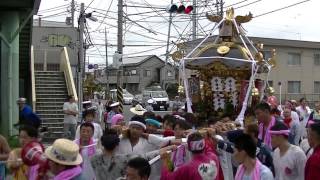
point(274, 142)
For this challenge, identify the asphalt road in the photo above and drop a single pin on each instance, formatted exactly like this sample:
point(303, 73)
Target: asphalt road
point(128, 114)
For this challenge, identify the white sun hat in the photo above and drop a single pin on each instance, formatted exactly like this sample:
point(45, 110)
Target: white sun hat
point(138, 110)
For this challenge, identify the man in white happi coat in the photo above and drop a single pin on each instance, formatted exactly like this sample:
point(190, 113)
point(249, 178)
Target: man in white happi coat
point(288, 160)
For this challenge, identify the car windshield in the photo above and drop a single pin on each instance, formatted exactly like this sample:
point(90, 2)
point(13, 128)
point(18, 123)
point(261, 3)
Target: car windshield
point(127, 95)
point(159, 94)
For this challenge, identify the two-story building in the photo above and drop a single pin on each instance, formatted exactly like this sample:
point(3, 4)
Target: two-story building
point(297, 68)
point(48, 38)
point(140, 72)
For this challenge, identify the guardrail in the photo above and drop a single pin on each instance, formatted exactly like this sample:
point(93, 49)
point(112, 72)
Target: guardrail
point(66, 68)
point(33, 84)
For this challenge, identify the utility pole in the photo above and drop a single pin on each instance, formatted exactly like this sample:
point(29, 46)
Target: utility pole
point(219, 5)
point(194, 20)
point(120, 52)
point(168, 42)
point(72, 12)
point(81, 56)
point(107, 64)
point(221, 8)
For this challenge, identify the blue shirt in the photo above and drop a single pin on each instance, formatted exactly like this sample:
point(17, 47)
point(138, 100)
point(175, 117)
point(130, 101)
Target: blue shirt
point(28, 117)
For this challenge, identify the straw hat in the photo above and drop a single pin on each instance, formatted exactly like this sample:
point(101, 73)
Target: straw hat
point(138, 110)
point(64, 152)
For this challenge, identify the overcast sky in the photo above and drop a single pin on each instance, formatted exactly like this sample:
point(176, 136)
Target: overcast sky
point(149, 28)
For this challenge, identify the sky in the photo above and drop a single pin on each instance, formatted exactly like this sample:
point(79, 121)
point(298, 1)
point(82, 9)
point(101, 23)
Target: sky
point(146, 28)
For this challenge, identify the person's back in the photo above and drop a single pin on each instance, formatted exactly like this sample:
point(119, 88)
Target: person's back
point(290, 165)
point(28, 117)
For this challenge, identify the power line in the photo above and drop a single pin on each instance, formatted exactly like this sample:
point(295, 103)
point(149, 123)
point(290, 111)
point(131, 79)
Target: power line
point(281, 8)
point(88, 5)
point(105, 15)
point(53, 8)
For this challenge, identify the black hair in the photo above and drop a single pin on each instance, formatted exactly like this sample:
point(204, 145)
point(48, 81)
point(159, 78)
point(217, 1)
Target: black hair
point(87, 125)
point(253, 128)
point(110, 139)
point(149, 115)
point(249, 111)
point(69, 97)
point(182, 124)
point(141, 165)
point(302, 99)
point(263, 106)
point(30, 130)
point(275, 111)
point(278, 127)
point(190, 118)
point(246, 143)
point(170, 119)
point(89, 111)
point(196, 136)
point(212, 120)
point(138, 118)
point(316, 128)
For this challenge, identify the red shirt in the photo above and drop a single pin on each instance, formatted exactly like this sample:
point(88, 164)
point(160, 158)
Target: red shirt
point(313, 165)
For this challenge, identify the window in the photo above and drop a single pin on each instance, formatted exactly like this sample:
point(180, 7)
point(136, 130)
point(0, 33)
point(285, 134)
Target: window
point(267, 54)
point(294, 86)
point(126, 73)
point(133, 72)
point(169, 74)
point(294, 59)
point(316, 59)
point(316, 87)
point(147, 73)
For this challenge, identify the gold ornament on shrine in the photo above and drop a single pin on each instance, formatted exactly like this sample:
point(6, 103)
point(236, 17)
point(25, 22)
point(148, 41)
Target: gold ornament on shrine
point(180, 89)
point(177, 55)
point(258, 57)
point(272, 60)
point(222, 50)
point(255, 91)
point(270, 90)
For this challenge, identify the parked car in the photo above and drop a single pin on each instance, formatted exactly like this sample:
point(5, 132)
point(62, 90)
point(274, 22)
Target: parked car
point(127, 97)
point(138, 99)
point(160, 98)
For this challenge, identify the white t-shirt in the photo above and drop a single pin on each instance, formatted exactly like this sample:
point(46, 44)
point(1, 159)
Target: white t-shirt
point(70, 119)
point(265, 174)
point(304, 115)
point(291, 165)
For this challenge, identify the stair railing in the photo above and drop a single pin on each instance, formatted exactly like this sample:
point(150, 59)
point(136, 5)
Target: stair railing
point(66, 68)
point(33, 84)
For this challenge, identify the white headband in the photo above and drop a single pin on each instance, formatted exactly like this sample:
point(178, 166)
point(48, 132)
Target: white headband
point(138, 123)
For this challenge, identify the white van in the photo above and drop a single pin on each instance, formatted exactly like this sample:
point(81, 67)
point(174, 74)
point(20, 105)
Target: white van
point(160, 97)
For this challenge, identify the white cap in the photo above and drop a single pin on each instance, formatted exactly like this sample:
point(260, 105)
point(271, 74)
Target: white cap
point(115, 104)
point(86, 102)
point(150, 101)
point(21, 100)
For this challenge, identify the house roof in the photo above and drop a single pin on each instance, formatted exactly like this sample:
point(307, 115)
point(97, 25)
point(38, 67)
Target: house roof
point(268, 42)
point(136, 60)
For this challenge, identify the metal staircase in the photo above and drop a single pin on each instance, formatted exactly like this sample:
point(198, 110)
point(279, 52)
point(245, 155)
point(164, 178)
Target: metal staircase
point(51, 93)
